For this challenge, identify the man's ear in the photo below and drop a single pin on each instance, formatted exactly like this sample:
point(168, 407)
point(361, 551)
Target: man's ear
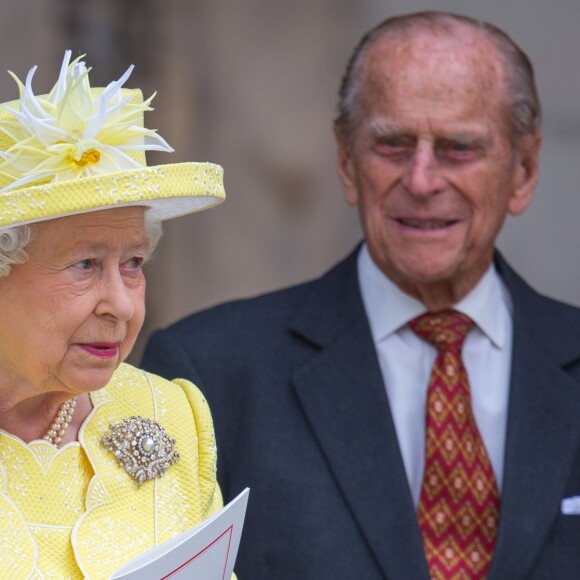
point(345, 166)
point(526, 173)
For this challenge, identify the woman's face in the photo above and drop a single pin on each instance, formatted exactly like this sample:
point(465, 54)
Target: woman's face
point(70, 314)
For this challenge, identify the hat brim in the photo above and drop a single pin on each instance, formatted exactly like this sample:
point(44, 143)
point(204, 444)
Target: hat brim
point(170, 191)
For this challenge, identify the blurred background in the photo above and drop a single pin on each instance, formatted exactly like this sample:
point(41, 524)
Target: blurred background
point(251, 84)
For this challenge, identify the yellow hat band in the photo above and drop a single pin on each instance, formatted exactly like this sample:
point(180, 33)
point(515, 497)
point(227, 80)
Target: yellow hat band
point(79, 149)
point(170, 190)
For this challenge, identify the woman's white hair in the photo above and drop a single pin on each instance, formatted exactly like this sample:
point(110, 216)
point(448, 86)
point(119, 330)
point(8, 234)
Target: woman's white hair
point(13, 243)
point(15, 240)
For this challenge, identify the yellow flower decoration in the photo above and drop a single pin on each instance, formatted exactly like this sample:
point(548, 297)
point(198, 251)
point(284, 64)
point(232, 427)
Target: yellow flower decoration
point(74, 131)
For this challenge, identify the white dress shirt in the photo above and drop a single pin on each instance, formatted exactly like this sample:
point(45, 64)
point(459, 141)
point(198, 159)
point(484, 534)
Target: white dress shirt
point(406, 362)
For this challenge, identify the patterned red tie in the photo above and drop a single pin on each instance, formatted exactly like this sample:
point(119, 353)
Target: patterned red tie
point(459, 505)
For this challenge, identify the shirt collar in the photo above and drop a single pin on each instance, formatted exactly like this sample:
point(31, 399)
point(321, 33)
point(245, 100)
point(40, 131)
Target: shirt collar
point(389, 309)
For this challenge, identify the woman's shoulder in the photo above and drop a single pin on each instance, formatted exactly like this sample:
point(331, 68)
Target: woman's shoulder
point(129, 376)
point(177, 405)
point(170, 398)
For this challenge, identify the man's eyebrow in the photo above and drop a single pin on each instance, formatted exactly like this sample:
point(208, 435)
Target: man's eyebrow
point(383, 128)
point(473, 140)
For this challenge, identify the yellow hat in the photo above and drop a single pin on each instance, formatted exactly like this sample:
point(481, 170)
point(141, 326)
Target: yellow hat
point(80, 149)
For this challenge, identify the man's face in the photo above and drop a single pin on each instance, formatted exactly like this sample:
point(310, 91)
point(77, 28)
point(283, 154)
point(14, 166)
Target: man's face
point(430, 165)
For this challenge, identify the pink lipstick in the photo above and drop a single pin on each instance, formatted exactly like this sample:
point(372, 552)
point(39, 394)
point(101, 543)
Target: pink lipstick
point(104, 350)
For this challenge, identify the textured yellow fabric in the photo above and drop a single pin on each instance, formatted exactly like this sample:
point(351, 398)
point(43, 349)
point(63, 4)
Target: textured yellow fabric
point(133, 96)
point(170, 190)
point(74, 512)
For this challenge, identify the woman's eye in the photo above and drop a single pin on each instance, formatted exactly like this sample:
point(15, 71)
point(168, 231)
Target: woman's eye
point(133, 267)
point(135, 263)
point(83, 264)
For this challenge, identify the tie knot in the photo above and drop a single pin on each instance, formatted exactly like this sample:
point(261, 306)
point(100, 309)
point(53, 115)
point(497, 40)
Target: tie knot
point(445, 330)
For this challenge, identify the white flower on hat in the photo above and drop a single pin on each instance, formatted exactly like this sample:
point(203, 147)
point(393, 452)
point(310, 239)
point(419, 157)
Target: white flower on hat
point(74, 132)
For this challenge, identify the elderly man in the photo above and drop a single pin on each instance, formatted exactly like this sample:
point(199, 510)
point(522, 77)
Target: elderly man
point(415, 412)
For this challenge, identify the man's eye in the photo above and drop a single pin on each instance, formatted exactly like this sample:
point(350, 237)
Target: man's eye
point(392, 142)
point(456, 146)
point(458, 151)
point(393, 147)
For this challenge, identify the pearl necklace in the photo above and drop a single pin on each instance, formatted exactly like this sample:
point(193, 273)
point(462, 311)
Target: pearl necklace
point(61, 422)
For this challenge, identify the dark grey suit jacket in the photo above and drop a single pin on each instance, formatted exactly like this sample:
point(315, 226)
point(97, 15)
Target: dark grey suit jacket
point(302, 418)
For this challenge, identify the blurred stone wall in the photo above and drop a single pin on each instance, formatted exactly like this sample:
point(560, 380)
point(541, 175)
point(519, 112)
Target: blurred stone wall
point(251, 84)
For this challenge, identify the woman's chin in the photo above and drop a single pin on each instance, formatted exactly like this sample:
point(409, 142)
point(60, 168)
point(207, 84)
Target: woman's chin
point(89, 380)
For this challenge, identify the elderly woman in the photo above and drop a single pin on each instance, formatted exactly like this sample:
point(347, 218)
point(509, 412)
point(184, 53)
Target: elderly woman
point(99, 461)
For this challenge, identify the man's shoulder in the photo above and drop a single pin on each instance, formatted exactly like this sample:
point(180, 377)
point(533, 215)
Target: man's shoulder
point(273, 308)
point(270, 306)
point(552, 324)
point(527, 299)
point(559, 308)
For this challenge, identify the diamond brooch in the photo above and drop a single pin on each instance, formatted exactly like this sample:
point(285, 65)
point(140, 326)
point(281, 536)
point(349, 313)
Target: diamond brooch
point(141, 447)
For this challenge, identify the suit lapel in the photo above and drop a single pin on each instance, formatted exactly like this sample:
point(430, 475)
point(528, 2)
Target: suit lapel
point(343, 397)
point(542, 425)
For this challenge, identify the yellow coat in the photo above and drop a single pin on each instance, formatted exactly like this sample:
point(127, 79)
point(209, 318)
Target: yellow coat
point(74, 512)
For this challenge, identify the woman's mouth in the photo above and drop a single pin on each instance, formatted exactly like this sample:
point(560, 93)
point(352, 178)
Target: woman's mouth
point(103, 350)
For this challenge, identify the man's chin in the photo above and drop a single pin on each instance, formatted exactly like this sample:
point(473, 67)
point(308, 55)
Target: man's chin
point(428, 271)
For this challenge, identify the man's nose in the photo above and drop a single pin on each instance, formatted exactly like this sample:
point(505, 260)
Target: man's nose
point(423, 176)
